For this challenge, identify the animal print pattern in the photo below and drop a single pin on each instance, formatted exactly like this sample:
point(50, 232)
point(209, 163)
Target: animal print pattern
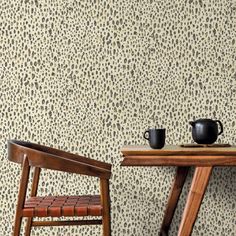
point(89, 76)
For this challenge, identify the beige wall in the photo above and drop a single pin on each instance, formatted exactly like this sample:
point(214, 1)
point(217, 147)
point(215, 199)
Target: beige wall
point(91, 76)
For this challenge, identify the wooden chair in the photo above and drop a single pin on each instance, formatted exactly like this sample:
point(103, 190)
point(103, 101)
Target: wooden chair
point(38, 156)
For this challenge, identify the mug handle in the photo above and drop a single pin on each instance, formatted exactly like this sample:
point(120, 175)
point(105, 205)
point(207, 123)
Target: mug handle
point(221, 126)
point(144, 135)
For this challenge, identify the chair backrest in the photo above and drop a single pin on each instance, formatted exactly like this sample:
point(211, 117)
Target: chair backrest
point(51, 158)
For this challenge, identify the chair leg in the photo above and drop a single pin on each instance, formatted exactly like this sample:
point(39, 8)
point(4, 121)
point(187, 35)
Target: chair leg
point(17, 225)
point(105, 198)
point(21, 196)
point(28, 226)
point(34, 189)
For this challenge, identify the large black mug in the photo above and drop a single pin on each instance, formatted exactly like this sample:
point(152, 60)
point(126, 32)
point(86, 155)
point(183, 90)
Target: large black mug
point(156, 137)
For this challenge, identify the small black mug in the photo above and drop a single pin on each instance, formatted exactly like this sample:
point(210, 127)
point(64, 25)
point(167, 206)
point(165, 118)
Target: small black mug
point(156, 137)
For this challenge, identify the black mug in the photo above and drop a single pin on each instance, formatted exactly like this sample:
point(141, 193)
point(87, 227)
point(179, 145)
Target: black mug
point(156, 137)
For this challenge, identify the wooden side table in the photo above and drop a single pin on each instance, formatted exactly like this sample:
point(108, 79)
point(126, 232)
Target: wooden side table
point(203, 159)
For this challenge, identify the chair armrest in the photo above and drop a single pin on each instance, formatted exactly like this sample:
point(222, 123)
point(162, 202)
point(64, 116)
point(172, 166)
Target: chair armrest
point(77, 157)
point(53, 162)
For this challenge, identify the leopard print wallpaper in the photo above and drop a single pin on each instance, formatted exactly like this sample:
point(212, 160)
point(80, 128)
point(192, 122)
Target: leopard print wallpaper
point(89, 76)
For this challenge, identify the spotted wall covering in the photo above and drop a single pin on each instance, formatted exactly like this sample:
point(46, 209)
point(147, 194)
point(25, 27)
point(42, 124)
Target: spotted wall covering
point(90, 76)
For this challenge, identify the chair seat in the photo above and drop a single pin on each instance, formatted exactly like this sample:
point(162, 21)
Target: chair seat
point(56, 206)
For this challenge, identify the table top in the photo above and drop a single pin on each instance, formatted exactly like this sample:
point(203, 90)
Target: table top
point(175, 155)
point(177, 150)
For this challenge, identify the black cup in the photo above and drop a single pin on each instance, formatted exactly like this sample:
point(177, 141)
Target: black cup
point(156, 137)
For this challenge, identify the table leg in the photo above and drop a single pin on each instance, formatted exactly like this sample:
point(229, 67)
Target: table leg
point(199, 184)
point(176, 190)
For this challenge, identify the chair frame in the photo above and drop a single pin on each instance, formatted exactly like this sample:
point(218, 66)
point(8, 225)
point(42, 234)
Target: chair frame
point(34, 155)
